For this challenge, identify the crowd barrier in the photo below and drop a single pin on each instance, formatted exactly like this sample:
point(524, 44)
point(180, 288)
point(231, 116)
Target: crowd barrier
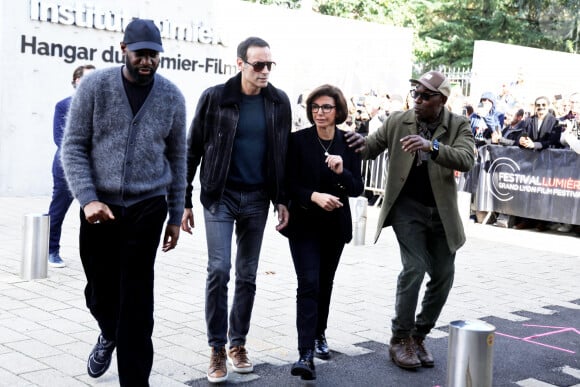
point(374, 173)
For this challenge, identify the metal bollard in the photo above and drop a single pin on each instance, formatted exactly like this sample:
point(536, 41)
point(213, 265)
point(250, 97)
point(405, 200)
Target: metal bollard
point(470, 354)
point(35, 246)
point(464, 207)
point(358, 209)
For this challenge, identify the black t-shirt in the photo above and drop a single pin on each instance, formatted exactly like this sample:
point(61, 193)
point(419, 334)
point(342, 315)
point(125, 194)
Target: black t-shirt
point(418, 185)
point(137, 94)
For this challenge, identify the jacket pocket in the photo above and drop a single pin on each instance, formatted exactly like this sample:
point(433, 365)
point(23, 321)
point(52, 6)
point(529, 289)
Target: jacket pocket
point(215, 162)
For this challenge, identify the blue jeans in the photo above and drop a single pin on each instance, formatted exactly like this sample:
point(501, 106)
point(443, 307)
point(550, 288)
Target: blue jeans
point(423, 249)
point(249, 212)
point(59, 205)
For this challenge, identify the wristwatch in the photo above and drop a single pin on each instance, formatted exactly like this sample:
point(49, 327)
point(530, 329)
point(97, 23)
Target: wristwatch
point(434, 149)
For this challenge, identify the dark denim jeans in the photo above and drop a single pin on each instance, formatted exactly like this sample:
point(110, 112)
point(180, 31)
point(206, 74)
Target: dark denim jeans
point(248, 211)
point(423, 249)
point(59, 205)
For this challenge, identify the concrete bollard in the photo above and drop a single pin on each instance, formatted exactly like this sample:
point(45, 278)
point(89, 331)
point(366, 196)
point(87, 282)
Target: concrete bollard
point(35, 236)
point(358, 210)
point(470, 354)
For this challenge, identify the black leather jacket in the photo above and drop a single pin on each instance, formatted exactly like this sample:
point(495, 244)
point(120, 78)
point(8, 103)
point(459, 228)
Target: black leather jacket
point(545, 136)
point(211, 138)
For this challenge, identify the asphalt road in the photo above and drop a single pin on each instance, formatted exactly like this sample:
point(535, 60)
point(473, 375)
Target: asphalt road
point(542, 348)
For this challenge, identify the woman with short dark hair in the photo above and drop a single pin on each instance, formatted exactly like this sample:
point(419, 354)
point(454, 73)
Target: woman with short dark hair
point(322, 173)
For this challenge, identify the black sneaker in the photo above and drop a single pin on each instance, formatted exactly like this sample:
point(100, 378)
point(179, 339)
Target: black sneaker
point(100, 357)
point(321, 350)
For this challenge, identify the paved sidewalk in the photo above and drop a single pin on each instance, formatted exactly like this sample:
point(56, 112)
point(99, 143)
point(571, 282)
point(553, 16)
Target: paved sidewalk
point(46, 331)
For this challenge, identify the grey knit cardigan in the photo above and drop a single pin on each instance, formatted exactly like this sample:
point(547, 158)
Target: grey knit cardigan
point(120, 159)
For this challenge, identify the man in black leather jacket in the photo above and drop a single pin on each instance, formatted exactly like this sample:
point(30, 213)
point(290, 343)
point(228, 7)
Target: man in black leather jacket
point(542, 130)
point(240, 136)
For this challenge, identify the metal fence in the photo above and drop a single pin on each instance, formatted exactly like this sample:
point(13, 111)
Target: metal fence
point(460, 76)
point(374, 173)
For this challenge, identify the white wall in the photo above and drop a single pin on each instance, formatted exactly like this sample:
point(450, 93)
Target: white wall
point(545, 72)
point(310, 50)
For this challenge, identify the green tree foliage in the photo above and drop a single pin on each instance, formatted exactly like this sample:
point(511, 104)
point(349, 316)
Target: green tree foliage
point(292, 4)
point(445, 30)
point(455, 25)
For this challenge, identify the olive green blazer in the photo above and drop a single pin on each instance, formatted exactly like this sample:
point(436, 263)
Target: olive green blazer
point(456, 152)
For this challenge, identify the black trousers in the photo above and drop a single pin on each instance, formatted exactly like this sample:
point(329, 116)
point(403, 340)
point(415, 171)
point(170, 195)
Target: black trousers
point(118, 258)
point(315, 261)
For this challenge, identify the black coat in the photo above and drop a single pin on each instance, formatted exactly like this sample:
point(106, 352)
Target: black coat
point(546, 136)
point(307, 172)
point(211, 137)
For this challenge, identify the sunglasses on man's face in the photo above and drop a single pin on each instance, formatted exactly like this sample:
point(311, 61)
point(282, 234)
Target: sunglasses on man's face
point(541, 104)
point(424, 96)
point(259, 66)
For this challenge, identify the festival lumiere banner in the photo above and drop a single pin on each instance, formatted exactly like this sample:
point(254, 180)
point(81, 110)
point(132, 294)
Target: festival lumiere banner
point(532, 184)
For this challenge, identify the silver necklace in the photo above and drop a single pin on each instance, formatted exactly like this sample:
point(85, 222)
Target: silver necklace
point(327, 147)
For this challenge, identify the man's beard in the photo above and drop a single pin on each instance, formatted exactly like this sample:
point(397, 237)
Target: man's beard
point(140, 79)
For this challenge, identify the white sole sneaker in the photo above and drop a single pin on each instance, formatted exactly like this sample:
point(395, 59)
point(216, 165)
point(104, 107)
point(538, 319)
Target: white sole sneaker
point(217, 380)
point(243, 370)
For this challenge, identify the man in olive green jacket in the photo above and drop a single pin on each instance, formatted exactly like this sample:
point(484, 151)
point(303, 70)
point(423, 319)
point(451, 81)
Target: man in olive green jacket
point(426, 145)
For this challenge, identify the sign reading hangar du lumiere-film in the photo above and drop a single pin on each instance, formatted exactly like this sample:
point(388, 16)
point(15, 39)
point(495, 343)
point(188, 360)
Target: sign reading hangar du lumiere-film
point(83, 15)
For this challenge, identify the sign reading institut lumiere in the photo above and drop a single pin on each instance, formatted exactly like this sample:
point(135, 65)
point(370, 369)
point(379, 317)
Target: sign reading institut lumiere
point(114, 20)
point(43, 41)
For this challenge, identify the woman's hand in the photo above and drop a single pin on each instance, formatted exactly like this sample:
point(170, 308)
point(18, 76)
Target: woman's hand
point(326, 201)
point(334, 162)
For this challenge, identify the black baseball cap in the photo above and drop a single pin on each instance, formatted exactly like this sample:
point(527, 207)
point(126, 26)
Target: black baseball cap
point(142, 34)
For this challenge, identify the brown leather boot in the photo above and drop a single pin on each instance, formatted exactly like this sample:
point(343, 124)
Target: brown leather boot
point(402, 351)
point(423, 353)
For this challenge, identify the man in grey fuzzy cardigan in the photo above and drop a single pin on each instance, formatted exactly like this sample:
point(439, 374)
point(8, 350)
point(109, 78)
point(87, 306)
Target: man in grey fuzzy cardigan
point(124, 159)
